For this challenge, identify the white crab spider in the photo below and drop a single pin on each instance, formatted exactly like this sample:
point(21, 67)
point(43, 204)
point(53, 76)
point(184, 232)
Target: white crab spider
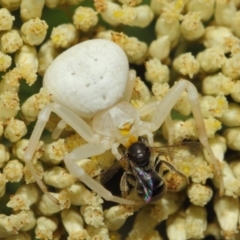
point(101, 91)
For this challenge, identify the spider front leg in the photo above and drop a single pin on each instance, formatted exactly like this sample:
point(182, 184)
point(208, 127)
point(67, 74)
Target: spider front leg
point(69, 117)
point(162, 112)
point(82, 152)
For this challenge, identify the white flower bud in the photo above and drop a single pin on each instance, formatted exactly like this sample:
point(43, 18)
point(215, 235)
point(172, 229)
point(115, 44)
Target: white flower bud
point(143, 224)
point(235, 93)
point(10, 80)
point(231, 183)
point(199, 194)
point(84, 18)
point(20, 236)
point(58, 177)
point(3, 182)
point(19, 149)
point(107, 10)
point(93, 215)
point(33, 105)
point(235, 24)
point(172, 10)
point(192, 27)
point(46, 54)
point(6, 20)
point(15, 130)
point(30, 221)
point(201, 171)
point(74, 224)
point(24, 197)
point(140, 16)
point(10, 41)
point(13, 171)
point(116, 216)
point(182, 105)
point(205, 8)
point(5, 62)
point(45, 227)
point(176, 227)
point(29, 9)
point(74, 2)
point(160, 48)
point(144, 16)
point(224, 12)
point(140, 91)
point(156, 71)
point(221, 37)
point(213, 106)
point(219, 146)
point(157, 6)
point(213, 230)
point(90, 166)
point(159, 90)
point(174, 181)
point(211, 59)
point(98, 233)
point(80, 195)
point(196, 222)
point(186, 64)
point(54, 152)
point(28, 175)
point(232, 136)
point(52, 3)
point(34, 31)
point(212, 126)
point(26, 60)
point(47, 207)
point(27, 55)
point(168, 28)
point(4, 154)
point(135, 50)
point(231, 117)
point(9, 105)
point(166, 206)
point(217, 84)
point(10, 225)
point(231, 67)
point(64, 35)
point(227, 211)
point(131, 3)
point(235, 167)
point(10, 5)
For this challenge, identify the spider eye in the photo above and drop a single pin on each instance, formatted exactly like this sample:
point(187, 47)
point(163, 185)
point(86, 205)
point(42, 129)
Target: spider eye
point(139, 153)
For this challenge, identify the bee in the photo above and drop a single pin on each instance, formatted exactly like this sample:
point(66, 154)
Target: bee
point(141, 171)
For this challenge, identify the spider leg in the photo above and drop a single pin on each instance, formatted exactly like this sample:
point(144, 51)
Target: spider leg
point(84, 151)
point(130, 86)
point(58, 130)
point(68, 117)
point(164, 108)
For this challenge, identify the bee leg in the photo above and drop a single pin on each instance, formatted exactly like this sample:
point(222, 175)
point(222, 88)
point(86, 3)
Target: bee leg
point(126, 181)
point(172, 168)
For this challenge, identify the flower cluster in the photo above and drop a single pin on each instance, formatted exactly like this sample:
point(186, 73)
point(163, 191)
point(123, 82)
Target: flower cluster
point(198, 40)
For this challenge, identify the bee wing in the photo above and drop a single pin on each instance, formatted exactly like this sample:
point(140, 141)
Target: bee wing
point(107, 174)
point(179, 150)
point(144, 178)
